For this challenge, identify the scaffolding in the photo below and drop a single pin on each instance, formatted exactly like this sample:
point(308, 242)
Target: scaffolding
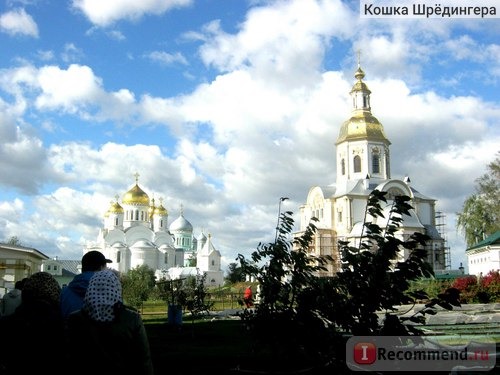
point(441, 228)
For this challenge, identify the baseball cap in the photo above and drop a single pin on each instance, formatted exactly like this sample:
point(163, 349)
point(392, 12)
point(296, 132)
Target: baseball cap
point(93, 261)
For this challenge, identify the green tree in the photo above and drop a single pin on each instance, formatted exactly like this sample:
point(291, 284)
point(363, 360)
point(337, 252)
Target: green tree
point(480, 216)
point(284, 272)
point(137, 285)
point(234, 274)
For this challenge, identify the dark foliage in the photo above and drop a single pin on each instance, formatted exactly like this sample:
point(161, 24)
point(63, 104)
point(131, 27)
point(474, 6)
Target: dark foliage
point(303, 317)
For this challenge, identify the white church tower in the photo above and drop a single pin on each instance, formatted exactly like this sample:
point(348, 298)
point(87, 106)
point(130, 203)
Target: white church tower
point(362, 165)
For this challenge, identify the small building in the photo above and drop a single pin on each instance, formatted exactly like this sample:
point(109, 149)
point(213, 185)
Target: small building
point(16, 263)
point(484, 256)
point(63, 270)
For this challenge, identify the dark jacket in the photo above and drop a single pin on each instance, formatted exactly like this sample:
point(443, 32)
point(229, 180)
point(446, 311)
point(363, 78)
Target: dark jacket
point(32, 339)
point(10, 302)
point(72, 294)
point(117, 347)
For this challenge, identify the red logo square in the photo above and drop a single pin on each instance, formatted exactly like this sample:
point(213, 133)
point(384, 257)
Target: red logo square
point(365, 353)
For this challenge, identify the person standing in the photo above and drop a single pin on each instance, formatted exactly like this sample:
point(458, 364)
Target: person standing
point(105, 336)
point(12, 299)
point(72, 295)
point(34, 333)
point(248, 297)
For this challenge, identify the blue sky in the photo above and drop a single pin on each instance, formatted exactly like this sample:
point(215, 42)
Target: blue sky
point(226, 106)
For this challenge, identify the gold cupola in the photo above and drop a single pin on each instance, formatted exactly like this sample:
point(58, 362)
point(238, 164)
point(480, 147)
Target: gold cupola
point(160, 210)
point(362, 125)
point(115, 208)
point(136, 196)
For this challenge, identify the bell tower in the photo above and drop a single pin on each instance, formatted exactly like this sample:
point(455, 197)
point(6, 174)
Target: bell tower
point(362, 146)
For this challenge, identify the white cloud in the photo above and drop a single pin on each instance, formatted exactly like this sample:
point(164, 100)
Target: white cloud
point(71, 53)
point(68, 89)
point(18, 22)
point(281, 43)
point(104, 13)
point(166, 58)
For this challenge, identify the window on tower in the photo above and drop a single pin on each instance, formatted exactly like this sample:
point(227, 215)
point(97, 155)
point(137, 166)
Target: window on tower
point(357, 164)
point(375, 162)
point(342, 166)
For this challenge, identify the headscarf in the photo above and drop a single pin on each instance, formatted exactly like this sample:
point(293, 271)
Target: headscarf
point(41, 286)
point(103, 293)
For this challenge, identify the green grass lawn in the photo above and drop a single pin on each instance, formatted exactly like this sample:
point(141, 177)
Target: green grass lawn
point(223, 347)
point(202, 347)
point(220, 347)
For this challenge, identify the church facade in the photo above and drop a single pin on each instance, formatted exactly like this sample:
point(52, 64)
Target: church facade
point(136, 232)
point(363, 163)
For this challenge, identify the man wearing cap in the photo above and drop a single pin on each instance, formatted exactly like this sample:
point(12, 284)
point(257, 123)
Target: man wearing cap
point(72, 295)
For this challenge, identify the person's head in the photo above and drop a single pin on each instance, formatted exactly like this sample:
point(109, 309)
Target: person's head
point(103, 295)
point(94, 261)
point(41, 286)
point(20, 283)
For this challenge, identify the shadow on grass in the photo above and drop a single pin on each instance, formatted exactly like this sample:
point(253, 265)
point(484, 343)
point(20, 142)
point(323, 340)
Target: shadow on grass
point(219, 347)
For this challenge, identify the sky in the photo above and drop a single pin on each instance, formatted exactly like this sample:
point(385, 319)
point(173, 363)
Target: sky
point(225, 106)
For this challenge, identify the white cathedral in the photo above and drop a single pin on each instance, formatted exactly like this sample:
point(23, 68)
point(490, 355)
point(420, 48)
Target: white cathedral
point(136, 233)
point(362, 165)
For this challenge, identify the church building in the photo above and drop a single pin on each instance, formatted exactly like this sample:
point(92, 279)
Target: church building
point(135, 232)
point(363, 163)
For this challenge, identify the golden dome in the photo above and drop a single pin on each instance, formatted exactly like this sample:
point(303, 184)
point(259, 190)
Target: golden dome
point(362, 125)
point(136, 196)
point(160, 210)
point(115, 208)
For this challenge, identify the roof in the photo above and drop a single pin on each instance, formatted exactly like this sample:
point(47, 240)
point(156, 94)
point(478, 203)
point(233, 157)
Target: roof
point(494, 239)
point(70, 266)
point(30, 250)
point(432, 232)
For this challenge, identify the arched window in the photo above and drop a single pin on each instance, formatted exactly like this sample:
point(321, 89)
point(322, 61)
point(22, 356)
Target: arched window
point(342, 166)
point(116, 221)
point(375, 162)
point(357, 164)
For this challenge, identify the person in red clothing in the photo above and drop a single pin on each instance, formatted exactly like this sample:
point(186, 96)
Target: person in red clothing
point(248, 297)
